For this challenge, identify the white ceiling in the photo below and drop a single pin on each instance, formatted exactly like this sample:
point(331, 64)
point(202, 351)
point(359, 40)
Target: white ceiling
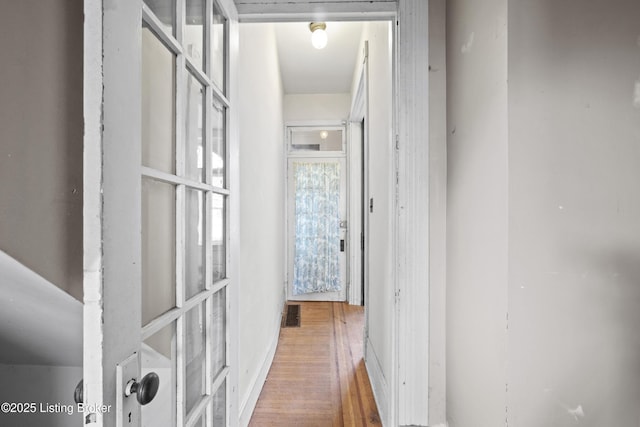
point(308, 70)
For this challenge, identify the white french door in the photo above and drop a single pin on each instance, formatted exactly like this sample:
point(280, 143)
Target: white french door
point(316, 214)
point(157, 191)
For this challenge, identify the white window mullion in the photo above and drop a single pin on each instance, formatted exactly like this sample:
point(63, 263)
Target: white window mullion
point(209, 347)
point(154, 23)
point(197, 412)
point(180, 245)
point(173, 179)
point(208, 22)
point(208, 241)
point(180, 215)
point(181, 371)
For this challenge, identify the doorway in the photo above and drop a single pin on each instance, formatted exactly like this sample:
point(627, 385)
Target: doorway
point(316, 213)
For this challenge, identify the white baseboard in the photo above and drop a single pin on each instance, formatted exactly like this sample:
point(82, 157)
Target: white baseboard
point(250, 400)
point(378, 383)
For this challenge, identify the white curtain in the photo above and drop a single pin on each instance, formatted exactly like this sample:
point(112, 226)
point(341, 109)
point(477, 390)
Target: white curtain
point(317, 225)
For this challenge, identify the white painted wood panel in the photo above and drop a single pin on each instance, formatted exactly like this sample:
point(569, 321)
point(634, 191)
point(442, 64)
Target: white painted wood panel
point(412, 256)
point(111, 197)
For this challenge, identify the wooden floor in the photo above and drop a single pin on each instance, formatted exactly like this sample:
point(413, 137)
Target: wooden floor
point(318, 377)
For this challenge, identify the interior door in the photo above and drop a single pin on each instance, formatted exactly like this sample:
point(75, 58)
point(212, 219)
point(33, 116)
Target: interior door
point(156, 215)
point(317, 228)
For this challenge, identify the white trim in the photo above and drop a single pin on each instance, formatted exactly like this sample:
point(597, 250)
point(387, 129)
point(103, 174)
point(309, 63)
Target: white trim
point(112, 158)
point(250, 400)
point(357, 185)
point(232, 206)
point(93, 333)
point(364, 10)
point(410, 249)
point(378, 384)
point(177, 180)
point(412, 234)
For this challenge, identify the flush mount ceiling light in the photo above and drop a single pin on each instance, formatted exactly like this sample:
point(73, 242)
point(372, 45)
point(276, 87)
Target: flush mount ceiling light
point(324, 134)
point(318, 34)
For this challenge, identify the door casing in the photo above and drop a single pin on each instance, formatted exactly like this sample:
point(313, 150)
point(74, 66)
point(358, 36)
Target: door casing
point(409, 381)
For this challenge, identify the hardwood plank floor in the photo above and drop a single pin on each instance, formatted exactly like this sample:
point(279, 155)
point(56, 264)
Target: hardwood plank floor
point(318, 377)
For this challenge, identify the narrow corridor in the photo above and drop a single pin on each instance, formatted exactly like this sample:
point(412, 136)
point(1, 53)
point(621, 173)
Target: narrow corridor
point(318, 376)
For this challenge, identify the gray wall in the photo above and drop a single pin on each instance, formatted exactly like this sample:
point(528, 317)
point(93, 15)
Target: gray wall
point(41, 138)
point(42, 385)
point(437, 211)
point(574, 213)
point(543, 213)
point(476, 212)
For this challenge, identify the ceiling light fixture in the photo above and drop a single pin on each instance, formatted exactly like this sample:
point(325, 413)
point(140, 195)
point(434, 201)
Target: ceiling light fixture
point(324, 134)
point(318, 34)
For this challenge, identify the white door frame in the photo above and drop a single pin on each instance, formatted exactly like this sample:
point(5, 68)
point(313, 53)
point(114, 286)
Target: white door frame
point(358, 187)
point(111, 207)
point(288, 126)
point(409, 383)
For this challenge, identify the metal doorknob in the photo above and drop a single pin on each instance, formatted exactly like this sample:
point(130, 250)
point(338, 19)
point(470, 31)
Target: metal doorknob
point(145, 390)
point(79, 392)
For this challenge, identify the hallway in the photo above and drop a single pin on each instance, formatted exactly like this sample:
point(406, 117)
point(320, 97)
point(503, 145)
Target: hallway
point(318, 376)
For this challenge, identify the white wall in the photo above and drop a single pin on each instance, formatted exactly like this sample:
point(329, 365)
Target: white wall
point(379, 300)
point(476, 212)
point(41, 127)
point(262, 232)
point(543, 213)
point(305, 107)
point(574, 213)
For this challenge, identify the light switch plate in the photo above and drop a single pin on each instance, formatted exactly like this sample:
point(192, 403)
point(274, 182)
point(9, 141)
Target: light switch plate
point(128, 408)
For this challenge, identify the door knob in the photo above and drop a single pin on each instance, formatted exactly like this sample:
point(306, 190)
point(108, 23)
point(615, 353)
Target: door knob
point(78, 392)
point(145, 390)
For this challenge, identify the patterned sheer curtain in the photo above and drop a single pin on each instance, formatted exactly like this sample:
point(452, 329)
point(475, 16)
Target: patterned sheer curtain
point(317, 220)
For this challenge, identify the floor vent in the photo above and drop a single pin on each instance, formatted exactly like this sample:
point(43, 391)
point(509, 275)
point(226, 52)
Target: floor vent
point(291, 318)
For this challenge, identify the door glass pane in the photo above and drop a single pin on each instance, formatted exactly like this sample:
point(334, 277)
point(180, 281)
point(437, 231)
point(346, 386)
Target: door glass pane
point(218, 336)
point(316, 140)
point(194, 31)
point(317, 228)
point(195, 355)
point(218, 237)
point(158, 104)
point(194, 243)
point(218, 147)
point(165, 11)
point(202, 421)
point(194, 129)
point(158, 248)
point(219, 405)
point(158, 354)
point(217, 48)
